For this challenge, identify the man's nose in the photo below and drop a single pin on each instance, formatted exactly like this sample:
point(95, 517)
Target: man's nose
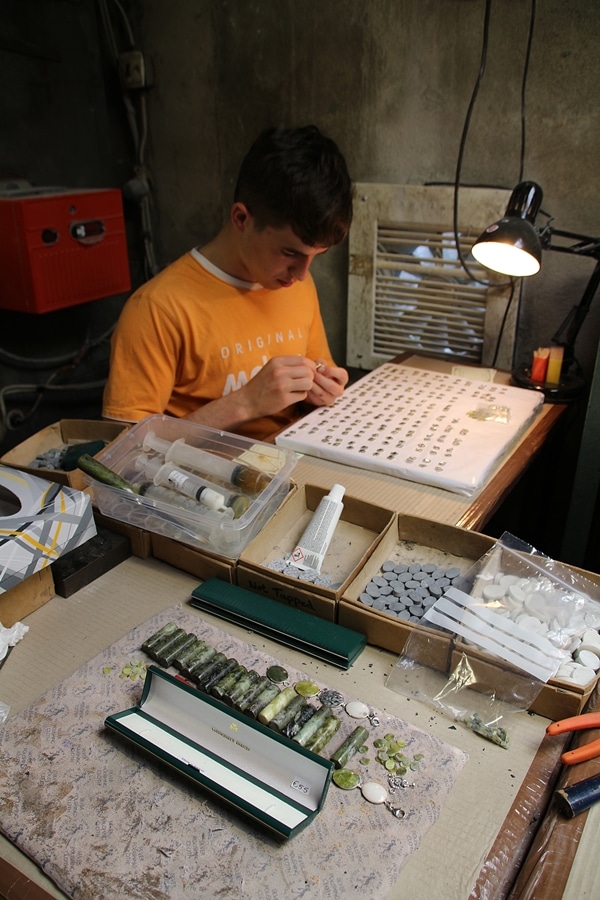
point(300, 268)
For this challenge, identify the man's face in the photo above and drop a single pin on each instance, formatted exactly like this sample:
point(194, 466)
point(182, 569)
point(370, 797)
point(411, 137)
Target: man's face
point(274, 257)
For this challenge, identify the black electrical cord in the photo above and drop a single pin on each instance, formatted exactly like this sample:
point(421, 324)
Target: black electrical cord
point(463, 140)
point(51, 362)
point(524, 87)
point(463, 137)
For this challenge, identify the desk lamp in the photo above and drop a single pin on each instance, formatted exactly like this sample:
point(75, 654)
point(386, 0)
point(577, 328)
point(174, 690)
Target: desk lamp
point(513, 246)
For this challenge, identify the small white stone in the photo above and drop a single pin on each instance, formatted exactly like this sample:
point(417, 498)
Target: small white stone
point(508, 580)
point(516, 594)
point(590, 641)
point(493, 592)
point(374, 792)
point(588, 658)
point(532, 623)
point(536, 604)
point(582, 675)
point(357, 709)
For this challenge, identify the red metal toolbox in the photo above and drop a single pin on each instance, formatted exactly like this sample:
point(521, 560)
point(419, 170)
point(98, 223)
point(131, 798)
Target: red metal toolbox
point(59, 248)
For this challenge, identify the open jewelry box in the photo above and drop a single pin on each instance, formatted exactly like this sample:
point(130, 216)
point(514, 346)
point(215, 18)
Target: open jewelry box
point(269, 778)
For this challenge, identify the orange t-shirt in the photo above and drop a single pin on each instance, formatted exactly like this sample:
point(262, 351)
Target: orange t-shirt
point(193, 334)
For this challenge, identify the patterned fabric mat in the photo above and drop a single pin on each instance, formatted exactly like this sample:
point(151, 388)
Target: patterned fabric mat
point(102, 820)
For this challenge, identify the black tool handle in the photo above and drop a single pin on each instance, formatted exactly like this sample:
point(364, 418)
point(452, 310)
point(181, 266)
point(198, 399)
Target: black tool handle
point(578, 797)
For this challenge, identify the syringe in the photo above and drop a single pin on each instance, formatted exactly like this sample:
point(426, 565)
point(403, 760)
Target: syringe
point(248, 478)
point(168, 475)
point(174, 498)
point(153, 468)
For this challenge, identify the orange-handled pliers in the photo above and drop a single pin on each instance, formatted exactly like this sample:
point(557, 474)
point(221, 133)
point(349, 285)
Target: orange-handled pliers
point(578, 723)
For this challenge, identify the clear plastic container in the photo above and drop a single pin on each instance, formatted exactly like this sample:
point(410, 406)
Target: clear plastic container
point(244, 459)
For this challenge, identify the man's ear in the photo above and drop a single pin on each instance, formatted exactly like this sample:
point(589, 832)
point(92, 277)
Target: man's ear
point(240, 216)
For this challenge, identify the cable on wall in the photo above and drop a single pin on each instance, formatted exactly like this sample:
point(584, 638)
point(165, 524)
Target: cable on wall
point(134, 79)
point(463, 140)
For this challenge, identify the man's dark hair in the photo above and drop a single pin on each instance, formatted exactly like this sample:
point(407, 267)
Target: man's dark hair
point(297, 177)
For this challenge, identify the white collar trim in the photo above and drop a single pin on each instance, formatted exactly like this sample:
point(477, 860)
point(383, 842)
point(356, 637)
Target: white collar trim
point(223, 276)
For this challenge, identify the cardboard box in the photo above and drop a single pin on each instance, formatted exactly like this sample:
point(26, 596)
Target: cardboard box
point(273, 780)
point(423, 540)
point(411, 539)
point(25, 597)
point(359, 531)
point(140, 539)
point(174, 463)
point(201, 563)
point(65, 433)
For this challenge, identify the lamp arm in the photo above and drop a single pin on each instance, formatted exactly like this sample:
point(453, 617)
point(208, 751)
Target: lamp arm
point(567, 332)
point(583, 246)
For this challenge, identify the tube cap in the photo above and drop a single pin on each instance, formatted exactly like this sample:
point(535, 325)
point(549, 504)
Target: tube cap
point(337, 492)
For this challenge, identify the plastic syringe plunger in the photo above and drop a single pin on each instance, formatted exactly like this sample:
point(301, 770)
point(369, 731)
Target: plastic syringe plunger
point(152, 442)
point(243, 476)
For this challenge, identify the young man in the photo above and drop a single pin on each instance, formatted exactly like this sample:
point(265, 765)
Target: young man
point(230, 335)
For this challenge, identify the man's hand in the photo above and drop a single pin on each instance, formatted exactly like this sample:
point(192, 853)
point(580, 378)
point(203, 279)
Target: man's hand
point(329, 384)
point(282, 381)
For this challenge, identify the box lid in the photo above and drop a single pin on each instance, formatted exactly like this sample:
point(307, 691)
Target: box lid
point(293, 627)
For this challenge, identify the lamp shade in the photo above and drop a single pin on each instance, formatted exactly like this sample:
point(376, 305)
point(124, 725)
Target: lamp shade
point(512, 245)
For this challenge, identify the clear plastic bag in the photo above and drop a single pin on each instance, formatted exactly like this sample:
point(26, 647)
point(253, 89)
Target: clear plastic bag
point(488, 646)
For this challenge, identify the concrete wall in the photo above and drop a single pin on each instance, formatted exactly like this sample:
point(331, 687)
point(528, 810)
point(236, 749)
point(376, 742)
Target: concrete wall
point(391, 81)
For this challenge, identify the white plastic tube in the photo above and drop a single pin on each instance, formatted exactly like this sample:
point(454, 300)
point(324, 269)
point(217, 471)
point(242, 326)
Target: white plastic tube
point(314, 543)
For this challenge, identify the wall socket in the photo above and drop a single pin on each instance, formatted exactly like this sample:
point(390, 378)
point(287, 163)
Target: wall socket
point(133, 74)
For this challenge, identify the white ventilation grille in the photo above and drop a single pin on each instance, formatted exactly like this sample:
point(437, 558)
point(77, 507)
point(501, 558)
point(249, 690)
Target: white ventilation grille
point(424, 300)
point(407, 289)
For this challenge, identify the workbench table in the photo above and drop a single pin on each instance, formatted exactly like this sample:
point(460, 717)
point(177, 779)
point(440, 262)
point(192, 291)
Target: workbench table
point(486, 826)
point(481, 838)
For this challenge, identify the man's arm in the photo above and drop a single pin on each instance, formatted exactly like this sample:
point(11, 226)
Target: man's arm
point(282, 382)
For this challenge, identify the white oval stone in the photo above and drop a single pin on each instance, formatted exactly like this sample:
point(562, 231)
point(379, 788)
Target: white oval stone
point(374, 792)
point(357, 709)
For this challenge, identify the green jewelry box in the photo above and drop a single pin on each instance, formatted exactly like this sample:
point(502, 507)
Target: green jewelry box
point(263, 775)
point(324, 640)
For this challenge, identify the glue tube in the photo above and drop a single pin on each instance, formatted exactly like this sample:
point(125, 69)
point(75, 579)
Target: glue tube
point(313, 545)
point(248, 478)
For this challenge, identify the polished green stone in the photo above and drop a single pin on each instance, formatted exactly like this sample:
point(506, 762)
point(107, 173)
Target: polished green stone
point(346, 779)
point(306, 688)
point(277, 674)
